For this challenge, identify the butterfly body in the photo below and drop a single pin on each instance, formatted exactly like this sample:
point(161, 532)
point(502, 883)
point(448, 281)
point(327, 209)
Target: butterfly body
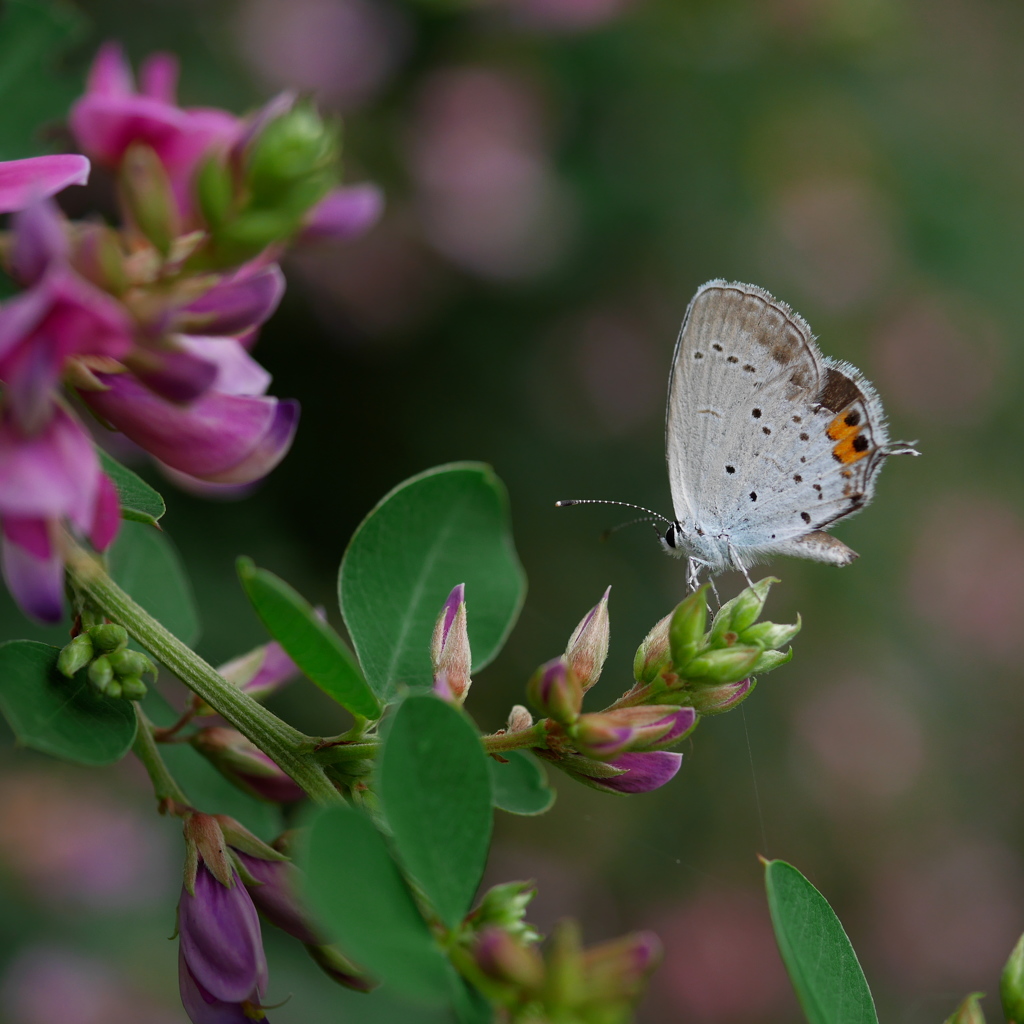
point(768, 442)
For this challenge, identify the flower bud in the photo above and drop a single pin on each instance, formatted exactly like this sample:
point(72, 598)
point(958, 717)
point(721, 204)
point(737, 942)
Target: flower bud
point(588, 645)
point(686, 628)
point(114, 689)
point(770, 634)
point(771, 660)
point(555, 691)
point(148, 196)
point(726, 665)
point(76, 655)
point(132, 688)
point(653, 657)
point(607, 734)
point(519, 718)
point(215, 190)
point(340, 969)
point(101, 675)
point(130, 663)
point(108, 637)
point(244, 764)
point(564, 980)
point(1011, 985)
point(742, 611)
point(508, 960)
point(716, 700)
point(504, 906)
point(969, 1011)
point(449, 649)
point(618, 970)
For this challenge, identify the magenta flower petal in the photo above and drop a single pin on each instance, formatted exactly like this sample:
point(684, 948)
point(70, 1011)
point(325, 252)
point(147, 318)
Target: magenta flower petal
point(24, 181)
point(237, 372)
point(182, 376)
point(344, 213)
point(683, 721)
point(110, 73)
point(201, 1007)
point(39, 240)
point(220, 438)
point(106, 520)
point(51, 475)
point(644, 771)
point(33, 535)
point(37, 584)
point(220, 939)
point(237, 303)
point(276, 898)
point(158, 77)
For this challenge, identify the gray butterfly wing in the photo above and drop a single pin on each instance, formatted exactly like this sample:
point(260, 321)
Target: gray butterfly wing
point(758, 445)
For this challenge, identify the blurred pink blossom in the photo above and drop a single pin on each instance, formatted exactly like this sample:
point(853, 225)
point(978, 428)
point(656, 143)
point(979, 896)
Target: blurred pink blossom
point(343, 51)
point(967, 575)
point(489, 199)
point(721, 962)
point(940, 360)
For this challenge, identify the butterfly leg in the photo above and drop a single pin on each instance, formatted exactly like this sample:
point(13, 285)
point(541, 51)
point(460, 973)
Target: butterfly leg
point(735, 557)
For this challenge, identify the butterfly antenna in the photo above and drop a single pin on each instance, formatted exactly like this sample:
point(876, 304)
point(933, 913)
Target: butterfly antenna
point(615, 529)
point(564, 503)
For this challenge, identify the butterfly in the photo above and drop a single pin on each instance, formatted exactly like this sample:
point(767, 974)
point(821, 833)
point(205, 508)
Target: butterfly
point(769, 443)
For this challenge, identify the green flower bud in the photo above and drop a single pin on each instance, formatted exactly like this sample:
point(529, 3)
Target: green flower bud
point(132, 688)
point(555, 691)
point(564, 977)
point(726, 665)
point(295, 149)
point(108, 637)
point(76, 655)
point(716, 700)
point(742, 611)
point(770, 660)
point(215, 190)
point(504, 906)
point(653, 655)
point(101, 675)
point(130, 663)
point(1011, 985)
point(771, 634)
point(969, 1011)
point(149, 197)
point(113, 689)
point(686, 629)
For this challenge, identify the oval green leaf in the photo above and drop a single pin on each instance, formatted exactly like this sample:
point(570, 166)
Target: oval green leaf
point(520, 786)
point(435, 790)
point(62, 717)
point(447, 526)
point(368, 909)
point(310, 642)
point(143, 562)
point(138, 501)
point(821, 962)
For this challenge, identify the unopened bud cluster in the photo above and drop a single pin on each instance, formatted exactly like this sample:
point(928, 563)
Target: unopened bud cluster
point(111, 668)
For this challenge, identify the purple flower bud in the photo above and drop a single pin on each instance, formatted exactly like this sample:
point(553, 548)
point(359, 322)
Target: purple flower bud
point(236, 303)
point(276, 897)
point(261, 672)
point(602, 736)
point(609, 733)
point(220, 438)
point(505, 959)
point(40, 238)
point(715, 700)
point(221, 959)
point(344, 213)
point(618, 970)
point(555, 691)
point(244, 764)
point(628, 773)
point(588, 645)
point(25, 181)
point(449, 649)
point(176, 374)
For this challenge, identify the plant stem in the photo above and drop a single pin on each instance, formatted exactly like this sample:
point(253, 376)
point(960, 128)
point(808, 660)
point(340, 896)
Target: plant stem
point(165, 788)
point(337, 752)
point(277, 739)
point(535, 736)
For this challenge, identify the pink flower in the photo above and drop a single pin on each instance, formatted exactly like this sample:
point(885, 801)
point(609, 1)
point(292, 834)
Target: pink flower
point(344, 213)
point(113, 114)
point(220, 437)
point(47, 479)
point(24, 181)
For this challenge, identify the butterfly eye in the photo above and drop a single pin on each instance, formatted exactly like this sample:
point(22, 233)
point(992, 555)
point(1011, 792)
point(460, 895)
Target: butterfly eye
point(670, 536)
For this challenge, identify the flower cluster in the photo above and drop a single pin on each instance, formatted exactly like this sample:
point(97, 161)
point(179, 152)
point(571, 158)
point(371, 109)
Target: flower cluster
point(231, 878)
point(149, 326)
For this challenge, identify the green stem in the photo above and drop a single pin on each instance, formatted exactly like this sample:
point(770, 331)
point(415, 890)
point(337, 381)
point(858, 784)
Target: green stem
point(335, 753)
point(275, 738)
point(164, 787)
point(535, 736)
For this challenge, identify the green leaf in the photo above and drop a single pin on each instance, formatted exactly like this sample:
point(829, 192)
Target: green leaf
point(32, 35)
point(139, 502)
point(520, 787)
point(143, 561)
point(368, 909)
point(821, 962)
point(208, 790)
point(447, 526)
point(310, 642)
point(62, 717)
point(435, 789)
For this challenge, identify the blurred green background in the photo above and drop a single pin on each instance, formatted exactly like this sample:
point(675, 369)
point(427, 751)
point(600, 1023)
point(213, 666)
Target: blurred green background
point(560, 176)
